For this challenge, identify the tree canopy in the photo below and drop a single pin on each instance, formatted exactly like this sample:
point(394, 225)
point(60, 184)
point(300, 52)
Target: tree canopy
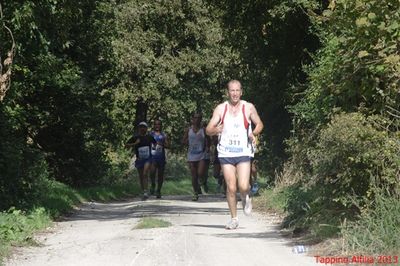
point(85, 72)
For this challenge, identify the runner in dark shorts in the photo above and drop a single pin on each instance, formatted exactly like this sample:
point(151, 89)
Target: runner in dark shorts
point(158, 158)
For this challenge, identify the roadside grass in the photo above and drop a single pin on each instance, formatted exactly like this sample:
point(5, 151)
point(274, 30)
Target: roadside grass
point(271, 200)
point(182, 185)
point(374, 232)
point(377, 231)
point(151, 222)
point(17, 227)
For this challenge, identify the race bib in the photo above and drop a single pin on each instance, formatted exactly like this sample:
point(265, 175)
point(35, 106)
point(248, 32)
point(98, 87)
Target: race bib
point(234, 144)
point(196, 149)
point(144, 152)
point(158, 149)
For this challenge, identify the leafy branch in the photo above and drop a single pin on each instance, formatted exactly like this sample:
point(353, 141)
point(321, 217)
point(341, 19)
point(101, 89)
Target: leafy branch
point(5, 67)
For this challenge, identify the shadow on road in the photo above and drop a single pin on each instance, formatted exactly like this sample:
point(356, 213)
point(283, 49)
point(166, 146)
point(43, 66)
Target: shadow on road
point(152, 207)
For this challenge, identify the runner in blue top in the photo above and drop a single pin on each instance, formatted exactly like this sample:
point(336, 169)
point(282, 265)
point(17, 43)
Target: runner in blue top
point(158, 158)
point(142, 145)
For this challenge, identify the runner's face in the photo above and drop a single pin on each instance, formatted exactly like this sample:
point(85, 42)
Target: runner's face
point(157, 125)
point(234, 92)
point(196, 119)
point(142, 130)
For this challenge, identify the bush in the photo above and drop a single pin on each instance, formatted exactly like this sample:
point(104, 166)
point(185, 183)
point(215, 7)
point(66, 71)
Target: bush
point(377, 230)
point(17, 227)
point(336, 176)
point(351, 157)
point(177, 167)
point(23, 169)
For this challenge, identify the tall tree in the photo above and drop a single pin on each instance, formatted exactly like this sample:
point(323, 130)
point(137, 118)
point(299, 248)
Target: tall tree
point(55, 101)
point(274, 42)
point(5, 66)
point(170, 58)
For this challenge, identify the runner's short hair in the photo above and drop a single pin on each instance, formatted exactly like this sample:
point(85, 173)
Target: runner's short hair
point(233, 81)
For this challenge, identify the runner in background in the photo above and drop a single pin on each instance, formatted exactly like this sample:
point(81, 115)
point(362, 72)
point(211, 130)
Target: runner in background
point(195, 138)
point(142, 145)
point(253, 170)
point(207, 160)
point(217, 172)
point(158, 158)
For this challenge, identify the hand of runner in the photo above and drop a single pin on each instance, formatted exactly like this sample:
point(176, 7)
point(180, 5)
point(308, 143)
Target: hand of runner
point(220, 128)
point(252, 138)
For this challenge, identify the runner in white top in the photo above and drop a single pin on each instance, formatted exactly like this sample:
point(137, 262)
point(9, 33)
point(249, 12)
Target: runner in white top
point(234, 139)
point(197, 142)
point(231, 121)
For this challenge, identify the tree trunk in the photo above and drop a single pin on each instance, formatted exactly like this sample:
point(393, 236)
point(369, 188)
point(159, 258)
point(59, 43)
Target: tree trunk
point(141, 112)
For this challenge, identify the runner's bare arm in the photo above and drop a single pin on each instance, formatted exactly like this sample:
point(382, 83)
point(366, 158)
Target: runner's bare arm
point(256, 120)
point(213, 127)
point(208, 143)
point(166, 142)
point(185, 137)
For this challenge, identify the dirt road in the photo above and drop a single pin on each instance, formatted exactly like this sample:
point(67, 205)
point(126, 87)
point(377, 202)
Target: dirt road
point(104, 234)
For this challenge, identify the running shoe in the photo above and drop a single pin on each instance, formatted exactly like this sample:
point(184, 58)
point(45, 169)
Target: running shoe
point(205, 187)
point(195, 197)
point(152, 189)
point(232, 224)
point(247, 206)
point(254, 188)
point(145, 196)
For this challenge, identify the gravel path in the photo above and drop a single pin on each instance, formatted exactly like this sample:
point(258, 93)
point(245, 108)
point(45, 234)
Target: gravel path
point(104, 234)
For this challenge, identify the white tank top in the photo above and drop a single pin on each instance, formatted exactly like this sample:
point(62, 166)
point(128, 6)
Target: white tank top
point(234, 140)
point(196, 145)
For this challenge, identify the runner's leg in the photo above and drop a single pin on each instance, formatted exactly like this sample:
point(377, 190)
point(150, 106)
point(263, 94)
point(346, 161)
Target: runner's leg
point(243, 171)
point(153, 172)
point(146, 172)
point(160, 172)
point(193, 166)
point(201, 167)
point(230, 180)
point(140, 172)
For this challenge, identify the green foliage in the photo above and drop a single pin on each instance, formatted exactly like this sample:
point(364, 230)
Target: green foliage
point(171, 56)
point(308, 209)
point(17, 227)
point(54, 106)
point(61, 198)
point(351, 156)
point(377, 230)
point(344, 141)
point(336, 176)
point(274, 42)
point(23, 169)
point(177, 167)
point(359, 62)
point(273, 199)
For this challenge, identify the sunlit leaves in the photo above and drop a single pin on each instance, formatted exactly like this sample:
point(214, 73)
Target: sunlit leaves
point(169, 50)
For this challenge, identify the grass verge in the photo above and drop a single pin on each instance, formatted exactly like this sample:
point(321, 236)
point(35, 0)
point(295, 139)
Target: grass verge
point(151, 222)
point(377, 230)
point(17, 227)
point(372, 233)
